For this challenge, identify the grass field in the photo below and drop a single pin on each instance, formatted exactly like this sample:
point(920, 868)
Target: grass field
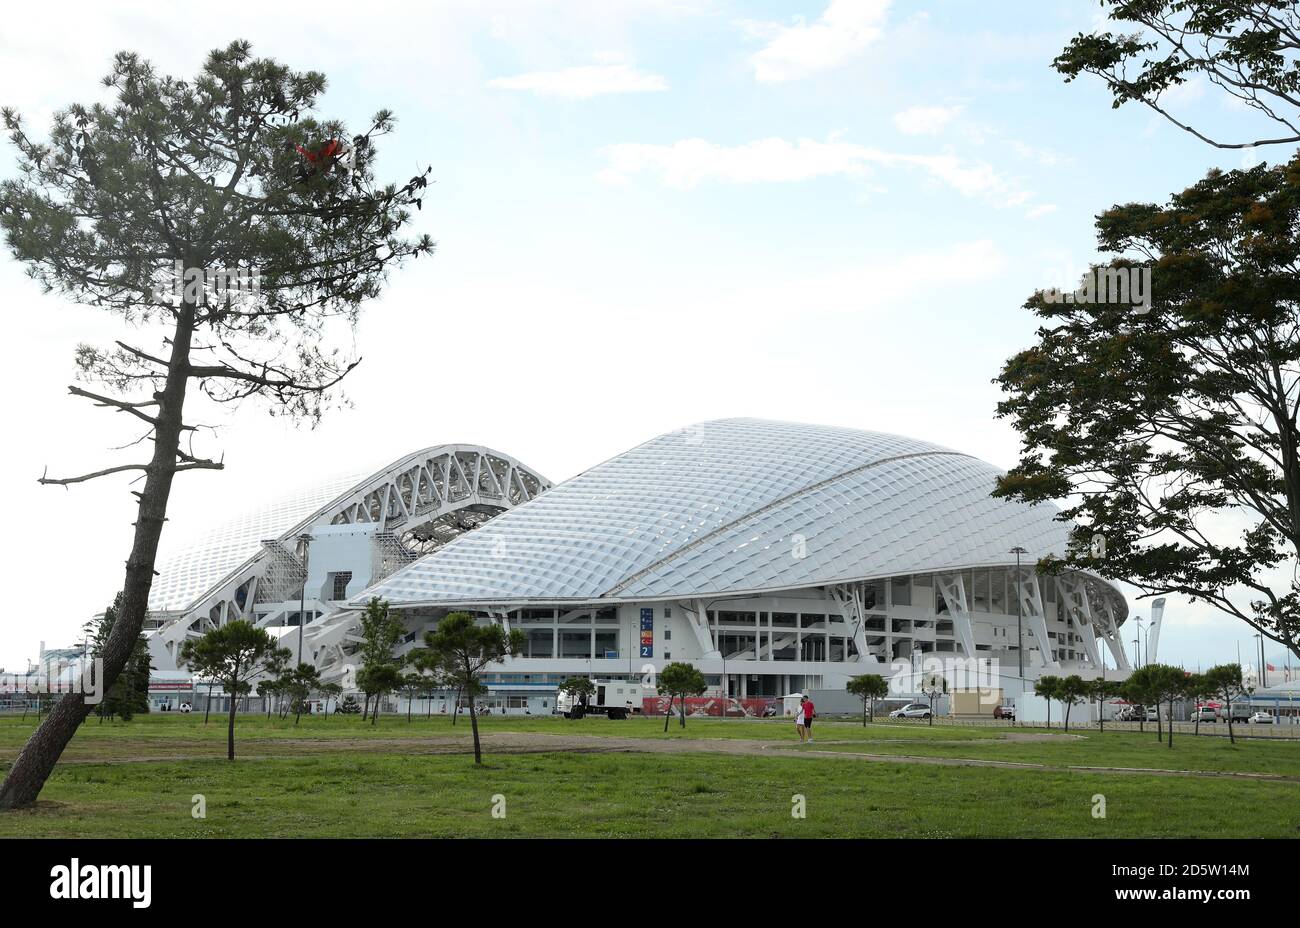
point(340, 777)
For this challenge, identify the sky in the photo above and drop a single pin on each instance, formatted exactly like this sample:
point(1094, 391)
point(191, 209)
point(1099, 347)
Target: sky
point(649, 213)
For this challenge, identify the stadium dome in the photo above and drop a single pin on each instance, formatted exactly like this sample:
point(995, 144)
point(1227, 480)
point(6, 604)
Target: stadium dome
point(738, 506)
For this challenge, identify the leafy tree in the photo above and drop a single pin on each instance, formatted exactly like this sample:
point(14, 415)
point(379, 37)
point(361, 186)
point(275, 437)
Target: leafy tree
point(130, 693)
point(933, 686)
point(1244, 47)
point(679, 680)
point(277, 671)
point(580, 688)
point(868, 687)
point(330, 691)
point(204, 176)
point(301, 682)
point(1173, 434)
point(233, 654)
point(1197, 688)
point(427, 666)
point(349, 705)
point(376, 681)
point(464, 648)
point(1102, 691)
point(1049, 687)
point(1160, 683)
point(1227, 683)
point(380, 671)
point(1072, 690)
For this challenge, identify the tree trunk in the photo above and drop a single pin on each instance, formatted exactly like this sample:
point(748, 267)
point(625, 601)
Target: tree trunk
point(682, 710)
point(409, 700)
point(1068, 705)
point(473, 723)
point(864, 713)
point(374, 712)
point(1231, 738)
point(36, 761)
point(455, 709)
point(230, 731)
point(1160, 724)
point(1171, 723)
point(207, 706)
point(668, 715)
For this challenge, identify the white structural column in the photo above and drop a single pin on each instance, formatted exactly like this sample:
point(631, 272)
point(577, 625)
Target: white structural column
point(953, 592)
point(697, 615)
point(1153, 636)
point(1031, 610)
point(850, 599)
point(1111, 634)
point(1072, 591)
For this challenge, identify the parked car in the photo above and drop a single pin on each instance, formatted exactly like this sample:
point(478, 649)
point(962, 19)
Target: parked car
point(913, 710)
point(1153, 714)
point(1240, 712)
point(1128, 714)
point(1005, 712)
point(1205, 714)
point(1261, 718)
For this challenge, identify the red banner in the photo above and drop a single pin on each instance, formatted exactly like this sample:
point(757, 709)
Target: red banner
point(753, 707)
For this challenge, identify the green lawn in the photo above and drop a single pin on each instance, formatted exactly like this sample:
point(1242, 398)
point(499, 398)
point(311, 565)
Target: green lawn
point(610, 795)
point(338, 777)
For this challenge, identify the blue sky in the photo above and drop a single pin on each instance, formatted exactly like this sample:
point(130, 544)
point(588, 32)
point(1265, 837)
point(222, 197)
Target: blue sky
point(648, 214)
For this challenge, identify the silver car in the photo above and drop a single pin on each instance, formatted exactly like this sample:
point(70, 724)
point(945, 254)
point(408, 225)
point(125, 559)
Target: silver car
point(913, 710)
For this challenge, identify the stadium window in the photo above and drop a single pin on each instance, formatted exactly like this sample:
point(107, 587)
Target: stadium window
point(668, 612)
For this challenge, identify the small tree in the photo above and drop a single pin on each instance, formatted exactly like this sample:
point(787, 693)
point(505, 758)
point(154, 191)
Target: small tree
point(933, 686)
point(1071, 691)
point(1226, 682)
point(868, 687)
point(330, 691)
point(380, 633)
point(580, 688)
point(233, 653)
point(680, 680)
point(464, 648)
point(1049, 687)
point(302, 681)
point(130, 693)
point(377, 680)
point(1102, 691)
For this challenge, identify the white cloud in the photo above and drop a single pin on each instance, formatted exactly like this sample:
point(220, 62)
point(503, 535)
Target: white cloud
point(1041, 210)
point(584, 82)
point(843, 30)
point(925, 120)
point(688, 163)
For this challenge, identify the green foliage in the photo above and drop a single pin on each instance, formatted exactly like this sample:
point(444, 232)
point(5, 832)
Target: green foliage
point(1156, 427)
point(868, 687)
point(578, 687)
point(463, 648)
point(1246, 48)
point(679, 680)
point(232, 655)
point(129, 694)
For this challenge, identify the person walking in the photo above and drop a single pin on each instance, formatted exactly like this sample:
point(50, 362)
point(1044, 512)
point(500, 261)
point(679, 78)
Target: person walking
point(808, 715)
point(798, 720)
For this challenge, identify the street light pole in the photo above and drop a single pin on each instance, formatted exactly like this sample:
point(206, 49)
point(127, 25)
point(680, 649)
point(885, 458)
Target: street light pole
point(1020, 632)
point(302, 602)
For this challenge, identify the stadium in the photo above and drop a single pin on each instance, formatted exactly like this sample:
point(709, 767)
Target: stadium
point(774, 556)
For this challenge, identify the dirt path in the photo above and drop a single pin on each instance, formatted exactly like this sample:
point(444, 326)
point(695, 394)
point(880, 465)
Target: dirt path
point(534, 743)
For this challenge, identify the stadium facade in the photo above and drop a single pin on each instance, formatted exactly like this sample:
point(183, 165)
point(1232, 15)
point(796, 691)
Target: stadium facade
point(774, 556)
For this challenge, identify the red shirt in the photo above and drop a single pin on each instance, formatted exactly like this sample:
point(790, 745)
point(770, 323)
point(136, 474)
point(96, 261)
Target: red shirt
point(808, 710)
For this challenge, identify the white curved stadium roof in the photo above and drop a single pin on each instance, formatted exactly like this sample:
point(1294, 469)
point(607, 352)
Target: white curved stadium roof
point(204, 561)
point(718, 508)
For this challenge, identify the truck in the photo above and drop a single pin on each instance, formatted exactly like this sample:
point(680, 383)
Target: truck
point(615, 699)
